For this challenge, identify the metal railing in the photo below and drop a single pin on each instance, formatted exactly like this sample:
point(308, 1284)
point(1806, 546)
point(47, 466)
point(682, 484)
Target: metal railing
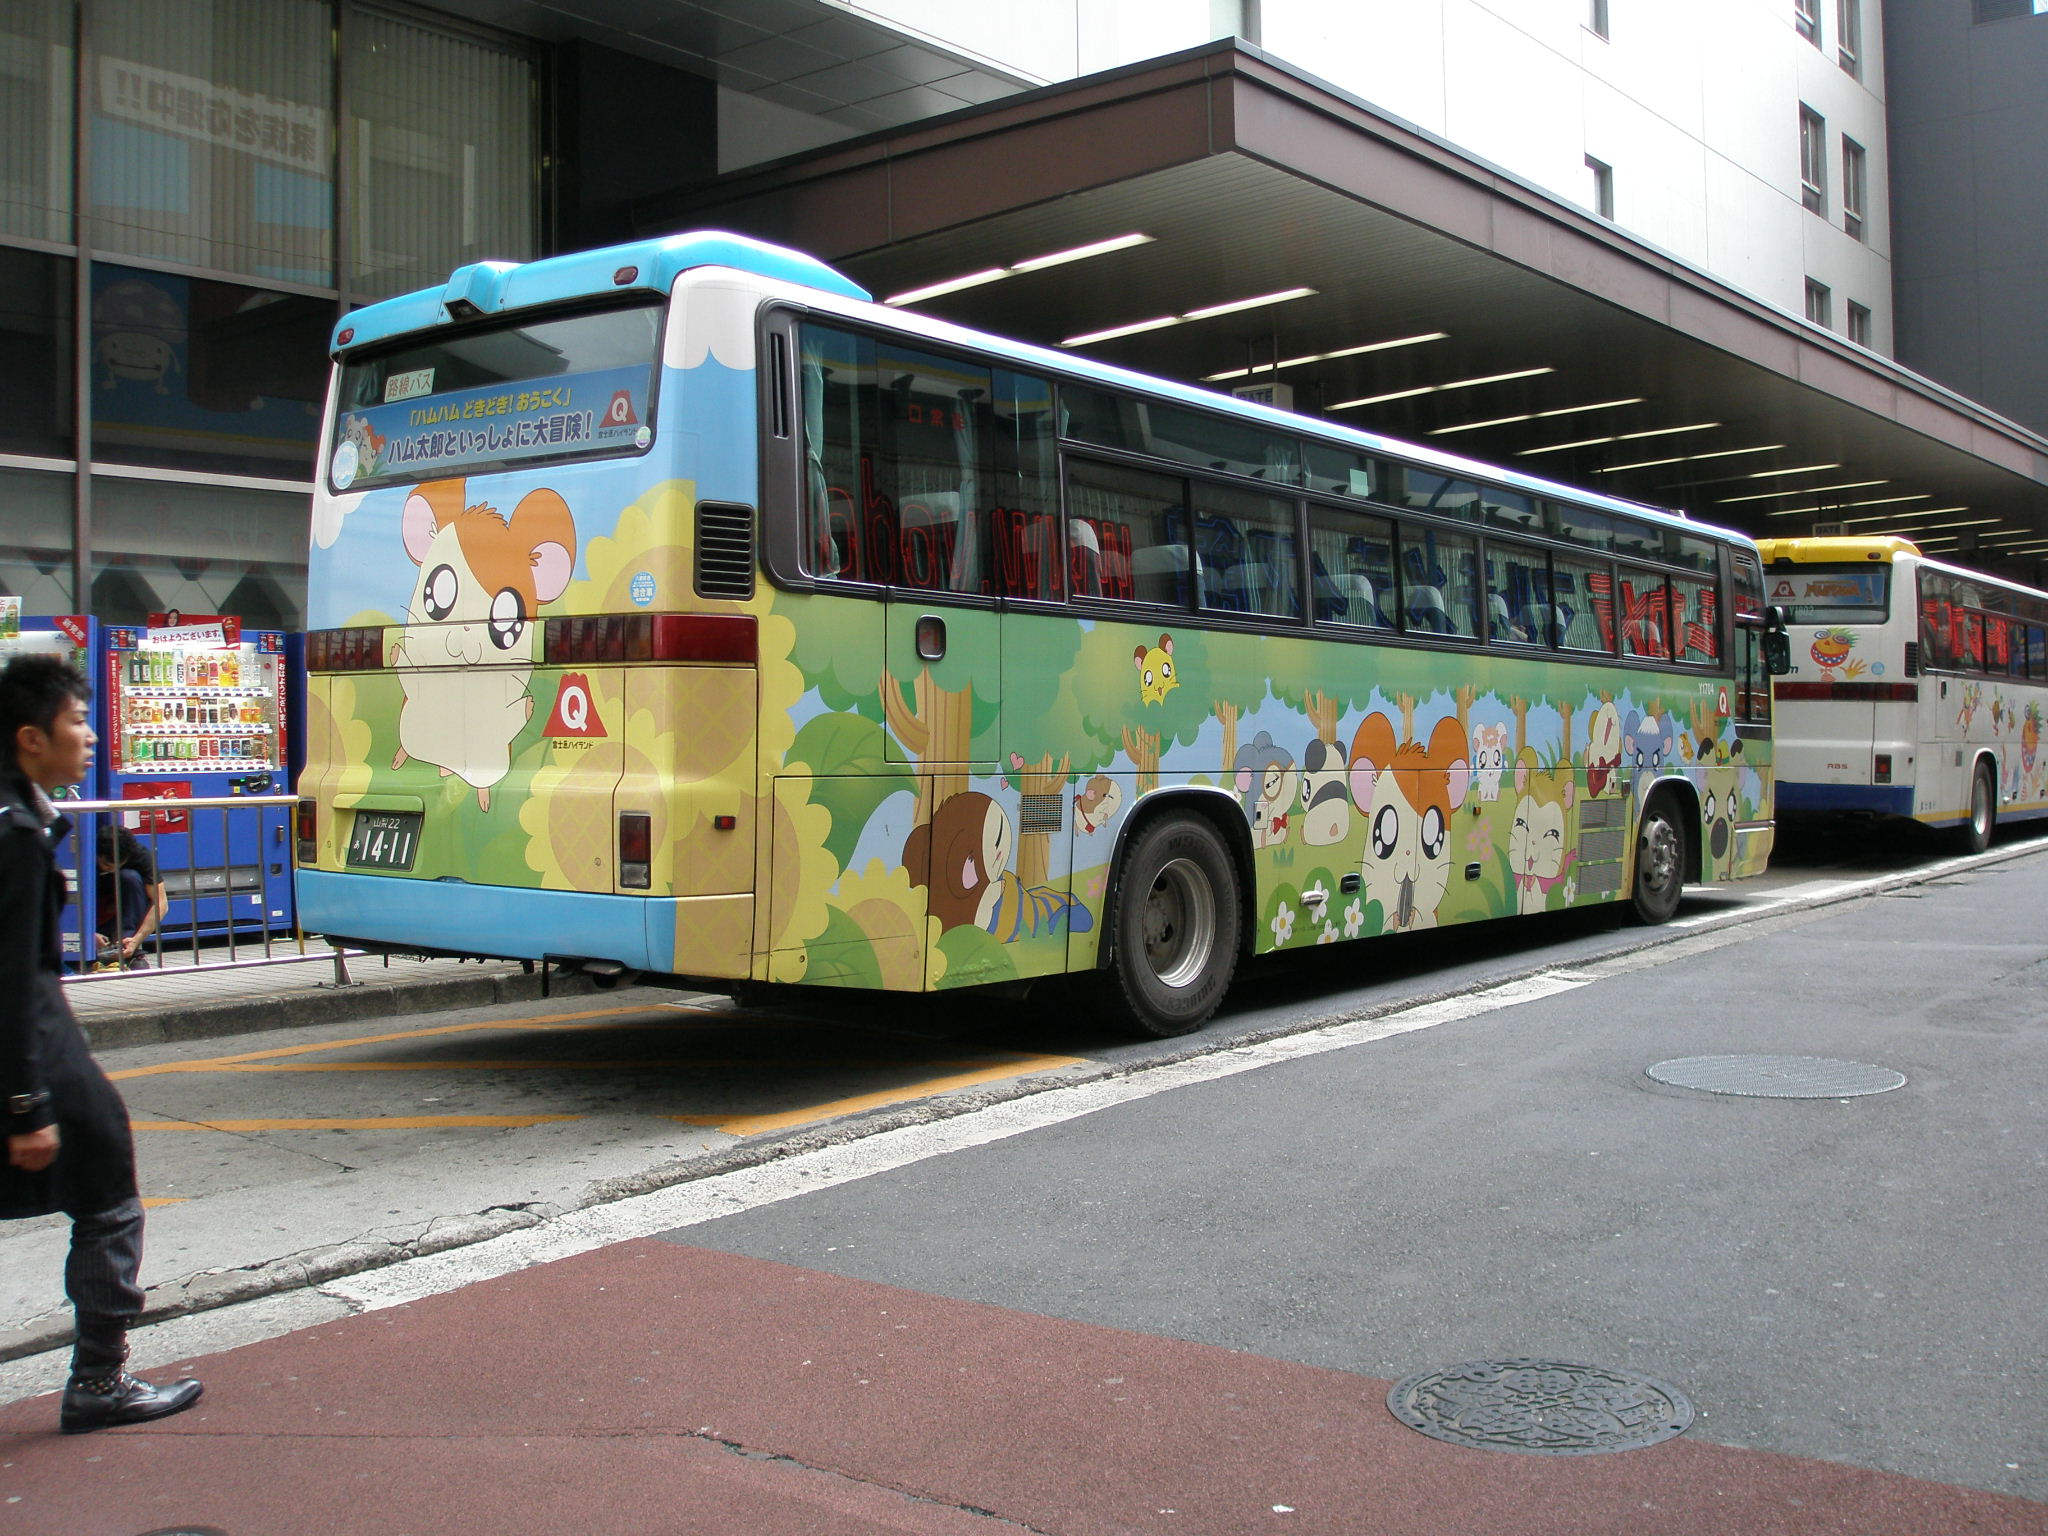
point(151, 890)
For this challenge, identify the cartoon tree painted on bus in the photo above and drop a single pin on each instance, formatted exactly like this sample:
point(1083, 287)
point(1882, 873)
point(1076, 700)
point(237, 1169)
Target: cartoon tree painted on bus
point(935, 724)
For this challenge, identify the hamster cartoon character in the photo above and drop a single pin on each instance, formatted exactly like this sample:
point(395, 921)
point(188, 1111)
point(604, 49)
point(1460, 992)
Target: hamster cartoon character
point(1155, 671)
point(1266, 783)
point(462, 656)
point(1406, 791)
point(1647, 741)
point(1489, 758)
point(1098, 801)
point(1603, 751)
point(1540, 843)
point(1325, 794)
point(962, 858)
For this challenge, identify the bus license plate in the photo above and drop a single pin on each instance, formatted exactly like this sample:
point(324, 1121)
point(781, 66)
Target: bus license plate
point(384, 840)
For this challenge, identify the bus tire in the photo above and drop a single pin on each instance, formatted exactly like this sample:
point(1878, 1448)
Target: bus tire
point(1974, 835)
point(1173, 932)
point(1660, 862)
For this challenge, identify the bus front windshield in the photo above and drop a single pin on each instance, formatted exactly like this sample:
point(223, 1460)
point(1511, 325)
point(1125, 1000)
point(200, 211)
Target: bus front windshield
point(1830, 594)
point(571, 386)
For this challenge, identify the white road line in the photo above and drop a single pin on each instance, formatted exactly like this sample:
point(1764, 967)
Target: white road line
point(746, 1189)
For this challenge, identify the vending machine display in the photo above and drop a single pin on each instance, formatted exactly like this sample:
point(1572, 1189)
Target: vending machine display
point(197, 708)
point(72, 638)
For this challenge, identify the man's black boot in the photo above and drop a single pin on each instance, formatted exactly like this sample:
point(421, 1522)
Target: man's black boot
point(100, 1402)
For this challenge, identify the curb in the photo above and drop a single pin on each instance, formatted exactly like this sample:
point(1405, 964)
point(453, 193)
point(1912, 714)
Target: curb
point(313, 1268)
point(324, 1004)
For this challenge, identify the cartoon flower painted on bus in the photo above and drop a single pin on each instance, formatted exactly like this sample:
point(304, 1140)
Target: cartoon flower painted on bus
point(1831, 647)
point(1283, 924)
point(1354, 919)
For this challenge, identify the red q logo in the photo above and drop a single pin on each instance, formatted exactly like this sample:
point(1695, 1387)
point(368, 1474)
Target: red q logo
point(620, 412)
point(575, 714)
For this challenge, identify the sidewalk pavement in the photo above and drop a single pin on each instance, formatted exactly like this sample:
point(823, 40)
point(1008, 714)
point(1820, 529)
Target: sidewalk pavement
point(184, 1002)
point(650, 1387)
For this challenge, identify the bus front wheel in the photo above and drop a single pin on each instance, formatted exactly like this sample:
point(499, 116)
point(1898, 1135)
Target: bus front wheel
point(1174, 930)
point(1974, 835)
point(1660, 862)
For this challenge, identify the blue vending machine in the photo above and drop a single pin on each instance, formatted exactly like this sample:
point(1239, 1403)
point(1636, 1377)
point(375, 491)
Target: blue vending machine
point(198, 707)
point(74, 638)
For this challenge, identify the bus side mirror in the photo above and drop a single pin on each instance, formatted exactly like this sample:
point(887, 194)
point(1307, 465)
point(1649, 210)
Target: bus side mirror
point(1777, 643)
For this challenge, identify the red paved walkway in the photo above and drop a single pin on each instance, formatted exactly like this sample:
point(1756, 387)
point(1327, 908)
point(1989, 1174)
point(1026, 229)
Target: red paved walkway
point(647, 1389)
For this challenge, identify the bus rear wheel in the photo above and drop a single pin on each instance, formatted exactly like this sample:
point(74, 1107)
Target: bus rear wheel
point(1173, 932)
point(1660, 862)
point(1974, 836)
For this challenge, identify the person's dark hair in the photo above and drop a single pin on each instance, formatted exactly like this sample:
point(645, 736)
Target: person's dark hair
point(32, 691)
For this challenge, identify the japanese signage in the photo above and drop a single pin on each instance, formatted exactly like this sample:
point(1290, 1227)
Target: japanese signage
point(288, 132)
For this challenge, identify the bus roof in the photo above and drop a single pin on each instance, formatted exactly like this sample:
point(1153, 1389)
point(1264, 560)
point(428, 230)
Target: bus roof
point(489, 287)
point(1836, 551)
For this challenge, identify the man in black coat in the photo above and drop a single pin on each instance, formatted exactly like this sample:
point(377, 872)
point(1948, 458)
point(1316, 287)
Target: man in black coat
point(68, 1143)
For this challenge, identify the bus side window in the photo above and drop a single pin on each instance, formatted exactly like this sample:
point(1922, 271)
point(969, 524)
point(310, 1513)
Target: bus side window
point(1645, 615)
point(1141, 528)
point(1698, 628)
point(1585, 596)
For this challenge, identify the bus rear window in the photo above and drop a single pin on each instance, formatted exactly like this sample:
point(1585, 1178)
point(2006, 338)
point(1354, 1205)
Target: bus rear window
point(1830, 594)
point(569, 387)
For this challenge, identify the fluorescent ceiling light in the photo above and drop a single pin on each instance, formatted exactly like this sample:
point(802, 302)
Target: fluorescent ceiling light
point(1563, 410)
point(1208, 312)
point(1875, 501)
point(1618, 437)
point(1236, 304)
point(1801, 490)
point(1034, 264)
point(1803, 469)
point(1431, 389)
point(1324, 357)
point(1896, 517)
point(1968, 522)
point(1688, 458)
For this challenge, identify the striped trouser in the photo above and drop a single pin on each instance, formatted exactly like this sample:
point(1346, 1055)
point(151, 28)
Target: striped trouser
point(101, 1277)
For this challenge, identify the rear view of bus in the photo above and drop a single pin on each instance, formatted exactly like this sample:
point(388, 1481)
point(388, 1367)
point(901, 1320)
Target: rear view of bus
point(547, 439)
point(1917, 688)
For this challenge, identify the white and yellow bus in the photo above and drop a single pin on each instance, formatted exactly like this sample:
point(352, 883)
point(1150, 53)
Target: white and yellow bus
point(1917, 688)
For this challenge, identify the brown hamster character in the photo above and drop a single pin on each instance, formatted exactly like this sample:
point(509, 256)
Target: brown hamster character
point(961, 857)
point(462, 655)
point(1097, 802)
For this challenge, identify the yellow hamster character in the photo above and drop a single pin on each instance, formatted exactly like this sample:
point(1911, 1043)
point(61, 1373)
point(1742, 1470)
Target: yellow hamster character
point(462, 657)
point(1155, 670)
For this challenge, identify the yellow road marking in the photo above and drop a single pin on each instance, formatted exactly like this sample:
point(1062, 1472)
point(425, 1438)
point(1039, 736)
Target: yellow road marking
point(151, 1202)
point(755, 1125)
point(566, 1064)
point(553, 1021)
point(367, 1123)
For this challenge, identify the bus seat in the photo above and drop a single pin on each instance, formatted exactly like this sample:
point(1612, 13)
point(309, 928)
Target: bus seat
point(1497, 621)
point(1153, 565)
point(1426, 611)
point(1359, 604)
point(1084, 557)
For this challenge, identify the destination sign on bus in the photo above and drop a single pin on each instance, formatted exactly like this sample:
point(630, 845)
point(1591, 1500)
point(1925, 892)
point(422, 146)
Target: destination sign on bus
point(419, 437)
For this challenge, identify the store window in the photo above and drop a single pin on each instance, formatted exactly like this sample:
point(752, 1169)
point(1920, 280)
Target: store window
point(212, 134)
point(35, 118)
point(442, 138)
point(35, 354)
point(206, 375)
point(35, 556)
point(164, 544)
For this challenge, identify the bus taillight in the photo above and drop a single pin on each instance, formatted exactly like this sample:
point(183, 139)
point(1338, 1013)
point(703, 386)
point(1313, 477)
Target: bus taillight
point(636, 844)
point(1884, 767)
point(651, 637)
point(306, 829)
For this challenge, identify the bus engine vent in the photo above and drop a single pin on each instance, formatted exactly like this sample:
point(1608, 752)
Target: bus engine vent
point(1912, 658)
point(725, 550)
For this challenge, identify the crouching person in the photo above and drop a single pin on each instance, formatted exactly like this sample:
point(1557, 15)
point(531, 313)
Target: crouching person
point(68, 1143)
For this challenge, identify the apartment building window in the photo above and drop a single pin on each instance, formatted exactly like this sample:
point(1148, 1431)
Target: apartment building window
point(1819, 302)
point(1596, 16)
point(1859, 323)
point(1813, 160)
point(1849, 36)
point(1852, 186)
point(1806, 17)
point(1603, 186)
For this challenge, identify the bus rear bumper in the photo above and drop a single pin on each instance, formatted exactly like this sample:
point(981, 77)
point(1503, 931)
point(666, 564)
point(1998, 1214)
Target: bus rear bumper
point(1876, 799)
point(449, 917)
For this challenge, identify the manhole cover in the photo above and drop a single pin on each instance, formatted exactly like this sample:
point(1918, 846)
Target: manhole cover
point(1540, 1407)
point(1777, 1077)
